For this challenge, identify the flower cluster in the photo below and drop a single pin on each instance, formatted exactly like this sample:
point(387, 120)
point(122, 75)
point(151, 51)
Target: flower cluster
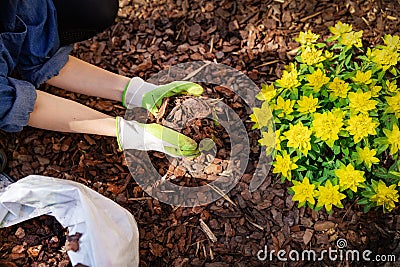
point(332, 121)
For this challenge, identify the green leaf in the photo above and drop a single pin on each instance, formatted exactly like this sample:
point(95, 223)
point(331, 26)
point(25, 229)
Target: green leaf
point(368, 207)
point(318, 208)
point(393, 71)
point(347, 61)
point(395, 166)
point(380, 75)
point(382, 148)
point(350, 194)
point(301, 168)
point(315, 148)
point(301, 204)
point(373, 113)
point(322, 179)
point(337, 46)
point(294, 94)
point(368, 194)
point(290, 190)
point(342, 55)
point(312, 155)
point(303, 67)
point(394, 175)
point(363, 58)
point(345, 151)
point(381, 175)
point(336, 150)
point(363, 201)
point(330, 39)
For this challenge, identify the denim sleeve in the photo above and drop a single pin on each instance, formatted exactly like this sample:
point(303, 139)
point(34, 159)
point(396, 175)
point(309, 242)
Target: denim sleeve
point(40, 73)
point(41, 56)
point(17, 101)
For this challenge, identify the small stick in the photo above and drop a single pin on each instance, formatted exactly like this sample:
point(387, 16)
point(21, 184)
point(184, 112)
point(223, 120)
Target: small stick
point(268, 63)
point(207, 231)
point(222, 194)
point(311, 16)
point(211, 254)
point(193, 73)
point(255, 225)
point(139, 198)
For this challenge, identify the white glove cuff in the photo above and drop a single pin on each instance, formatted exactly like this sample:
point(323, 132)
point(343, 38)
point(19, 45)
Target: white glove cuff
point(134, 92)
point(133, 135)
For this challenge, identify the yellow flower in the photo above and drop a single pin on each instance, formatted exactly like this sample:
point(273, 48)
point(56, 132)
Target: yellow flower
point(352, 38)
point(299, 137)
point(328, 196)
point(328, 54)
point(303, 192)
point(360, 102)
point(385, 196)
point(375, 89)
point(391, 86)
point(361, 126)
point(267, 92)
point(306, 38)
point(278, 138)
point(367, 156)
point(393, 42)
point(289, 79)
point(393, 139)
point(290, 67)
point(284, 165)
point(307, 104)
point(394, 105)
point(271, 140)
point(317, 79)
point(327, 126)
point(340, 28)
point(339, 88)
point(384, 57)
point(349, 178)
point(311, 56)
point(261, 116)
point(285, 106)
point(363, 77)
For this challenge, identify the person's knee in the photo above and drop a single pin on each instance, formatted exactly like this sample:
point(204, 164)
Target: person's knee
point(107, 12)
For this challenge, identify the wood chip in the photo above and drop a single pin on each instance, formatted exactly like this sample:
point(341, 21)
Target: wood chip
point(208, 231)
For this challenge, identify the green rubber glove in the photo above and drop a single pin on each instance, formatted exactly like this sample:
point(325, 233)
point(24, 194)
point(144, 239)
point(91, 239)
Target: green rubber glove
point(140, 136)
point(139, 93)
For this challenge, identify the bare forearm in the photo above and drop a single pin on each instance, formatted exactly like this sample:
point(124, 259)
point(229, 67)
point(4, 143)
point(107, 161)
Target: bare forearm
point(81, 77)
point(63, 115)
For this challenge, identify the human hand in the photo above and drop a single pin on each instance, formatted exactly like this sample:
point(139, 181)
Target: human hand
point(139, 93)
point(140, 136)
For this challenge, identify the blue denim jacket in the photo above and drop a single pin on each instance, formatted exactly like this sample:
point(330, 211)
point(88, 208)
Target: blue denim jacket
point(29, 43)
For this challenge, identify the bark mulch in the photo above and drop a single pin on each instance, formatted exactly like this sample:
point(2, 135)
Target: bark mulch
point(255, 37)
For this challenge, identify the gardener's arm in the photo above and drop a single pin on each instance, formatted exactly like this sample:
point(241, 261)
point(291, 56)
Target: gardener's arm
point(84, 78)
point(63, 115)
point(81, 77)
point(59, 114)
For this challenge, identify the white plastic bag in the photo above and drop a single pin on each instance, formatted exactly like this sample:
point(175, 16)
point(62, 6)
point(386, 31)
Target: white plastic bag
point(110, 236)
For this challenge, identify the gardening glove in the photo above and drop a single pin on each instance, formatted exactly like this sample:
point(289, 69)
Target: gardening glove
point(139, 93)
point(140, 136)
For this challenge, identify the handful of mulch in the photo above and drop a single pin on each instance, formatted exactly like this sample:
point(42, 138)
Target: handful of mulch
point(200, 119)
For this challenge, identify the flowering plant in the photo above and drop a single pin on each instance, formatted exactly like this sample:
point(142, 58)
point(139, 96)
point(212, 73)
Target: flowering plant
point(336, 110)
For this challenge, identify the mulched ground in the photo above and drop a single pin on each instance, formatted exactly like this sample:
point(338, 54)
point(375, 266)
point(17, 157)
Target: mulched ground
point(255, 37)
